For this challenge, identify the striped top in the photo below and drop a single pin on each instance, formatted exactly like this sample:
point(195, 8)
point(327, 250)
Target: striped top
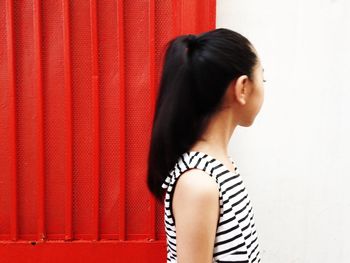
point(236, 239)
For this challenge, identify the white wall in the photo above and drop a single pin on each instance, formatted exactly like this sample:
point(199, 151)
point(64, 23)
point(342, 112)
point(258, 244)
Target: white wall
point(295, 158)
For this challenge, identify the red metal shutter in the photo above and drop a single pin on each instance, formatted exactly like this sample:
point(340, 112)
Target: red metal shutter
point(78, 83)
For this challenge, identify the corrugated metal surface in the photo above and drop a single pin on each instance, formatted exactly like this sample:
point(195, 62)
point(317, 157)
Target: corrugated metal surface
point(78, 84)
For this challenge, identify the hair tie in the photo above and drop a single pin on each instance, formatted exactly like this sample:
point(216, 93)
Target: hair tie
point(191, 41)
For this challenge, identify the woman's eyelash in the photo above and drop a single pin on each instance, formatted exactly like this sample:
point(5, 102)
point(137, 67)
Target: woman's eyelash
point(264, 80)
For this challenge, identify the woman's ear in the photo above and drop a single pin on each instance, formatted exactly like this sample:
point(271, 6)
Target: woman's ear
point(241, 90)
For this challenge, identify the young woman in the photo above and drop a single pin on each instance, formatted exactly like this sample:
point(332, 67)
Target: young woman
point(210, 83)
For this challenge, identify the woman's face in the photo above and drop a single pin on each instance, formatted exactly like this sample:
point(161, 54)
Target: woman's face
point(250, 96)
point(257, 96)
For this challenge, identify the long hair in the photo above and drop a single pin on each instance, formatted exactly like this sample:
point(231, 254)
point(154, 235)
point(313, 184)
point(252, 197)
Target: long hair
point(197, 70)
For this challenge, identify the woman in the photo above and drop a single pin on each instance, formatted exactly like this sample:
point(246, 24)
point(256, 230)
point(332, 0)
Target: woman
point(210, 83)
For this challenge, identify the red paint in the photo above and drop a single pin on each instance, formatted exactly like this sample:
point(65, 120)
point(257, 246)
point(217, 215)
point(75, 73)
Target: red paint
point(89, 251)
point(69, 116)
point(78, 84)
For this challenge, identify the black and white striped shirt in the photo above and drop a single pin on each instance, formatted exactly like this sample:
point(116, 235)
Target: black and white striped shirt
point(236, 240)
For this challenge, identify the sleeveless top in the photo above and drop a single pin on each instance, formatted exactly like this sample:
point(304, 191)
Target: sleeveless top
point(236, 240)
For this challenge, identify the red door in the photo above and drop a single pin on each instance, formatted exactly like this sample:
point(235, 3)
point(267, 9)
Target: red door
point(78, 81)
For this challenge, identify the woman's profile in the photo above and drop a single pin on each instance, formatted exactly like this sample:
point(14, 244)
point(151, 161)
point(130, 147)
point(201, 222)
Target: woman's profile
point(210, 84)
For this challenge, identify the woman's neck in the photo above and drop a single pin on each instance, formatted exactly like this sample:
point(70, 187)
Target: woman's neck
point(216, 137)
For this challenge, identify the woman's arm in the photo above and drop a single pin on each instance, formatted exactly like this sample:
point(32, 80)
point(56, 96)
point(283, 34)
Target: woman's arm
point(196, 211)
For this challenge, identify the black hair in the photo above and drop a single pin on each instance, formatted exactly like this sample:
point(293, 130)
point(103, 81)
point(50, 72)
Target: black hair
point(197, 70)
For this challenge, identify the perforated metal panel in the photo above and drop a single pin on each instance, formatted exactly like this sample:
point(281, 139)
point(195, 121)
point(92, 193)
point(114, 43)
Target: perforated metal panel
point(78, 82)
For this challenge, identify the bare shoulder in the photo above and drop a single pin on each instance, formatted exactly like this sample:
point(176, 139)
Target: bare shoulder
point(196, 184)
point(195, 190)
point(196, 212)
